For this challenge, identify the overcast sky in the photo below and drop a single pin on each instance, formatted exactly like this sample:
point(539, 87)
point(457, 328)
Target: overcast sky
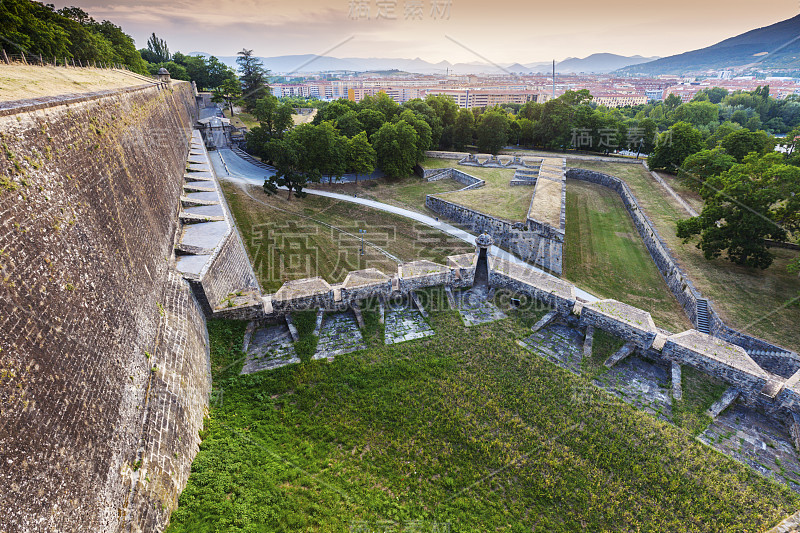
point(435, 30)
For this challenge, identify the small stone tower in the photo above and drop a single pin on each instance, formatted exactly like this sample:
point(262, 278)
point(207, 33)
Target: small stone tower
point(163, 75)
point(483, 242)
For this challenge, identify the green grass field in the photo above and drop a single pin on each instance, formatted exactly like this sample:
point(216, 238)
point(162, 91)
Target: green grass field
point(408, 192)
point(288, 239)
point(604, 254)
point(762, 303)
point(496, 198)
point(462, 431)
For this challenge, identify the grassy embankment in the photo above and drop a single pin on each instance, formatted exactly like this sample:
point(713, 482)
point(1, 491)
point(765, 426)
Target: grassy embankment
point(285, 239)
point(463, 428)
point(751, 300)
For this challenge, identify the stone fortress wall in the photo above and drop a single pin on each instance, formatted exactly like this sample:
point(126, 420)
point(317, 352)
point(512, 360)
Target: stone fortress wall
point(540, 238)
point(769, 356)
point(104, 368)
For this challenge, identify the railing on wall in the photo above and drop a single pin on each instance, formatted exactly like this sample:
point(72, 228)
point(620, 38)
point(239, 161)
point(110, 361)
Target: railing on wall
point(44, 61)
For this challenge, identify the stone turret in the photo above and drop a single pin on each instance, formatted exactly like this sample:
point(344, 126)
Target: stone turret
point(163, 75)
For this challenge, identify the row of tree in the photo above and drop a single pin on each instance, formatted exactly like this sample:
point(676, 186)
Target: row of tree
point(33, 28)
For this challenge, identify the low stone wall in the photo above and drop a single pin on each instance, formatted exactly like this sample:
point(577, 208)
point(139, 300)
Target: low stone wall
point(533, 242)
point(678, 282)
point(228, 272)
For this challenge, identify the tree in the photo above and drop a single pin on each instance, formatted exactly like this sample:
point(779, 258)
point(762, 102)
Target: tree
point(674, 146)
point(349, 125)
point(284, 155)
point(274, 116)
point(741, 142)
point(361, 156)
point(321, 149)
point(253, 78)
point(697, 113)
point(396, 148)
point(740, 210)
point(697, 168)
point(422, 129)
point(464, 129)
point(371, 120)
point(672, 101)
point(492, 132)
point(158, 50)
point(227, 92)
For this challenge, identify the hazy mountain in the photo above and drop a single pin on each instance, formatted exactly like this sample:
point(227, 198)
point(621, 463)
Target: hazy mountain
point(599, 63)
point(312, 63)
point(774, 46)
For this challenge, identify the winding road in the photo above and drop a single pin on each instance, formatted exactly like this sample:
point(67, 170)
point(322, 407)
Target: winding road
point(229, 166)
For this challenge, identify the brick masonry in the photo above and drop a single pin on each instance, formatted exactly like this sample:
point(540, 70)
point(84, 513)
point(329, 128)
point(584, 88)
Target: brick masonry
point(89, 196)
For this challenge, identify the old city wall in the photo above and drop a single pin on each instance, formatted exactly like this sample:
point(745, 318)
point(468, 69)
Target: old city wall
point(680, 285)
point(531, 241)
point(103, 351)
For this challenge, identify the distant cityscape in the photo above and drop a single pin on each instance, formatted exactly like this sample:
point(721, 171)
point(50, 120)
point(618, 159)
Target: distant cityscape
point(470, 91)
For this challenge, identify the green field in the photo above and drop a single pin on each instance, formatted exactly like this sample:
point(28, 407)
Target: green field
point(408, 192)
point(288, 239)
point(762, 303)
point(462, 431)
point(496, 198)
point(604, 254)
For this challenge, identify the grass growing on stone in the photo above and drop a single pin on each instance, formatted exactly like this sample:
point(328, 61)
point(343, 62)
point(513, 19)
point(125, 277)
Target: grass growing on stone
point(463, 428)
point(604, 345)
point(496, 198)
point(306, 344)
point(288, 239)
point(758, 302)
point(700, 391)
point(604, 254)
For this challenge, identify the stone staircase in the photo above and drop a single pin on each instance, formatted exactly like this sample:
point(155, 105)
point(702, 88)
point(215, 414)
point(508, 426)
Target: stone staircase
point(252, 160)
point(527, 176)
point(703, 322)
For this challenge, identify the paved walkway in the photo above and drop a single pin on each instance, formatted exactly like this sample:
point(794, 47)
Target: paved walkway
point(230, 166)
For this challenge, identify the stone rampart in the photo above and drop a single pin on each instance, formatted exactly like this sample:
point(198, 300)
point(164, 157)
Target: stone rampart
point(679, 283)
point(89, 305)
point(534, 242)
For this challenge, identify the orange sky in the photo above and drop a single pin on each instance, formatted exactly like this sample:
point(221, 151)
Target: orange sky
point(502, 31)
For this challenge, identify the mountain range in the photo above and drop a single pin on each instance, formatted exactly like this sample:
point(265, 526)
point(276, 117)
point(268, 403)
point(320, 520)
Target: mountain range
point(770, 47)
point(303, 63)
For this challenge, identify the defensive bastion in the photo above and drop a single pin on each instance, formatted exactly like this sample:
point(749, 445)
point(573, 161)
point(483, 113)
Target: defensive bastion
point(104, 368)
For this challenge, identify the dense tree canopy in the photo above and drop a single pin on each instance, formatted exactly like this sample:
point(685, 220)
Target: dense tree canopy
point(34, 28)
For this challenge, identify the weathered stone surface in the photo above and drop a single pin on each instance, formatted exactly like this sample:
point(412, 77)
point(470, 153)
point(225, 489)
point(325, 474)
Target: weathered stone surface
point(475, 309)
point(624, 321)
point(404, 323)
point(270, 347)
point(558, 344)
point(89, 191)
point(339, 335)
point(716, 357)
point(756, 440)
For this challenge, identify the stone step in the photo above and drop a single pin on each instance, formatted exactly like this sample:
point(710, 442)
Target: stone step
point(292, 328)
point(418, 304)
point(545, 320)
point(451, 300)
point(677, 388)
point(190, 218)
point(318, 326)
point(621, 354)
point(588, 340)
point(728, 397)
